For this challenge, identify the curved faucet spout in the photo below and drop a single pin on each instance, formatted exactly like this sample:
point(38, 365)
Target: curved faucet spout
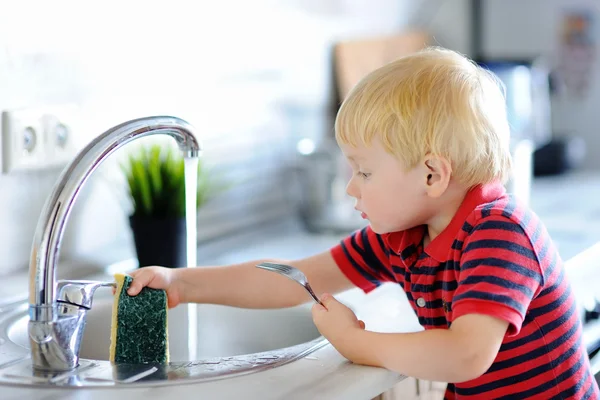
point(51, 224)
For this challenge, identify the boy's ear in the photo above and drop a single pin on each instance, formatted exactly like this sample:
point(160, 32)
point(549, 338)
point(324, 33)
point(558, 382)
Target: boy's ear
point(438, 172)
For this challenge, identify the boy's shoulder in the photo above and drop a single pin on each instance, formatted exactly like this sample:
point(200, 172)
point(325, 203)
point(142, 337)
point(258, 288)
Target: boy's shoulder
point(509, 213)
point(507, 208)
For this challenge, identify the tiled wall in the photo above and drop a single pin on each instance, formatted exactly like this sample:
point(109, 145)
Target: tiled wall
point(232, 68)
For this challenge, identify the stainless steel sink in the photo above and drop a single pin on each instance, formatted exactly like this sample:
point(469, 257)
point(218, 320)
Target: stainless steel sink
point(206, 342)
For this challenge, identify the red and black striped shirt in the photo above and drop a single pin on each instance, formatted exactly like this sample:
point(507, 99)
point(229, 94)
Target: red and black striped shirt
point(494, 258)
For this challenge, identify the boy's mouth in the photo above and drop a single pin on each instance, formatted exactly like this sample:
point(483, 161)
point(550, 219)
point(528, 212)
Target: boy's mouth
point(362, 214)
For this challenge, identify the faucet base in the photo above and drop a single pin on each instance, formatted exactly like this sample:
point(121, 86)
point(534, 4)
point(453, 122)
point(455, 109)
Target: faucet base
point(55, 345)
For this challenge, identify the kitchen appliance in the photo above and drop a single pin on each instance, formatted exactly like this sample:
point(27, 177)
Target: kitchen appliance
point(322, 173)
point(527, 92)
point(528, 107)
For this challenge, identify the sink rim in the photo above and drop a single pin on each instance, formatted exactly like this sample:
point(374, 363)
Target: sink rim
point(262, 335)
point(176, 373)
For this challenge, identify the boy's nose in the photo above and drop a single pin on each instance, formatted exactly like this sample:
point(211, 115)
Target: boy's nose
point(351, 189)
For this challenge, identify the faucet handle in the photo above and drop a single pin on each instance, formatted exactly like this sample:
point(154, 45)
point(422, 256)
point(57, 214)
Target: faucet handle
point(80, 292)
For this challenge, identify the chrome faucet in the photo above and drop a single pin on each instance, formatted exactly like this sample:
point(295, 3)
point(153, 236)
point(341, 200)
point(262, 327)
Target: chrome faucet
point(57, 322)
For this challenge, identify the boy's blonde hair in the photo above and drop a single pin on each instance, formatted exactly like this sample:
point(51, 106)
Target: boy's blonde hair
point(435, 101)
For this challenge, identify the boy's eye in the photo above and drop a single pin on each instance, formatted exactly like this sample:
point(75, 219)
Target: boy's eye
point(364, 175)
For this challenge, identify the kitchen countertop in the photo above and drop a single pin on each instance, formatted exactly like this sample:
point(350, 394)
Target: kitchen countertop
point(325, 374)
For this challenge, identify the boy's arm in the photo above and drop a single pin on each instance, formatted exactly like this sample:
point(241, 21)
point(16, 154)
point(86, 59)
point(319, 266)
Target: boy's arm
point(358, 260)
point(461, 353)
point(244, 285)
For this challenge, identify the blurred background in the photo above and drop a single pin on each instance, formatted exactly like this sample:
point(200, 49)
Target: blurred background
point(261, 81)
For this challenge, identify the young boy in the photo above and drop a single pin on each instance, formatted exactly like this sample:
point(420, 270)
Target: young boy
point(428, 140)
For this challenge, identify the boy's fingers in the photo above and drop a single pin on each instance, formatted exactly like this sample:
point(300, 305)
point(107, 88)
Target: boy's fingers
point(139, 281)
point(134, 288)
point(327, 300)
point(318, 308)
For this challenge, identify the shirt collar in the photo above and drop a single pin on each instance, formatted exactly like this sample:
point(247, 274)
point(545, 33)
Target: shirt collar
point(406, 243)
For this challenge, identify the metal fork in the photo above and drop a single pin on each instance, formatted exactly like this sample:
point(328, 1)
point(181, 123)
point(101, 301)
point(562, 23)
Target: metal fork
point(292, 273)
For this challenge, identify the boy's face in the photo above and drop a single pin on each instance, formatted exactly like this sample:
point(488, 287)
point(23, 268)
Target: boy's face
point(389, 196)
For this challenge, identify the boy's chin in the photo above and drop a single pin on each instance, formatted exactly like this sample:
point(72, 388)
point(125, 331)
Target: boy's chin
point(379, 229)
point(382, 229)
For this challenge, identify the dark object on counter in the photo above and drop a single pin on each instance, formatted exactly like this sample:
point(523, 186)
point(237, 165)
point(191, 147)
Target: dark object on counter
point(559, 156)
point(592, 310)
point(160, 241)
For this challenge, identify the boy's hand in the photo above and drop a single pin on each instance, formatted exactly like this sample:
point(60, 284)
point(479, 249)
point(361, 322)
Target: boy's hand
point(157, 278)
point(335, 320)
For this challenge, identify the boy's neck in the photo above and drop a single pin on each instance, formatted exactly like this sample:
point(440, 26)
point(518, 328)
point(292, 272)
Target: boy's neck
point(449, 204)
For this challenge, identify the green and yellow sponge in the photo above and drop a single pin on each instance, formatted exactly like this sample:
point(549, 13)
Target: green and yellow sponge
point(139, 325)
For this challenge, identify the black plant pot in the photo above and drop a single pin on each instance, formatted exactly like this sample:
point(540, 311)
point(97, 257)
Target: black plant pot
point(160, 241)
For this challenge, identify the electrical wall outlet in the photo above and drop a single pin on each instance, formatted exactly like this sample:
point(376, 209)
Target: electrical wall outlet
point(37, 138)
point(62, 133)
point(23, 146)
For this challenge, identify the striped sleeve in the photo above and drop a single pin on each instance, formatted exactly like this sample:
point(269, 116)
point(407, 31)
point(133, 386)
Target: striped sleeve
point(363, 258)
point(499, 272)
